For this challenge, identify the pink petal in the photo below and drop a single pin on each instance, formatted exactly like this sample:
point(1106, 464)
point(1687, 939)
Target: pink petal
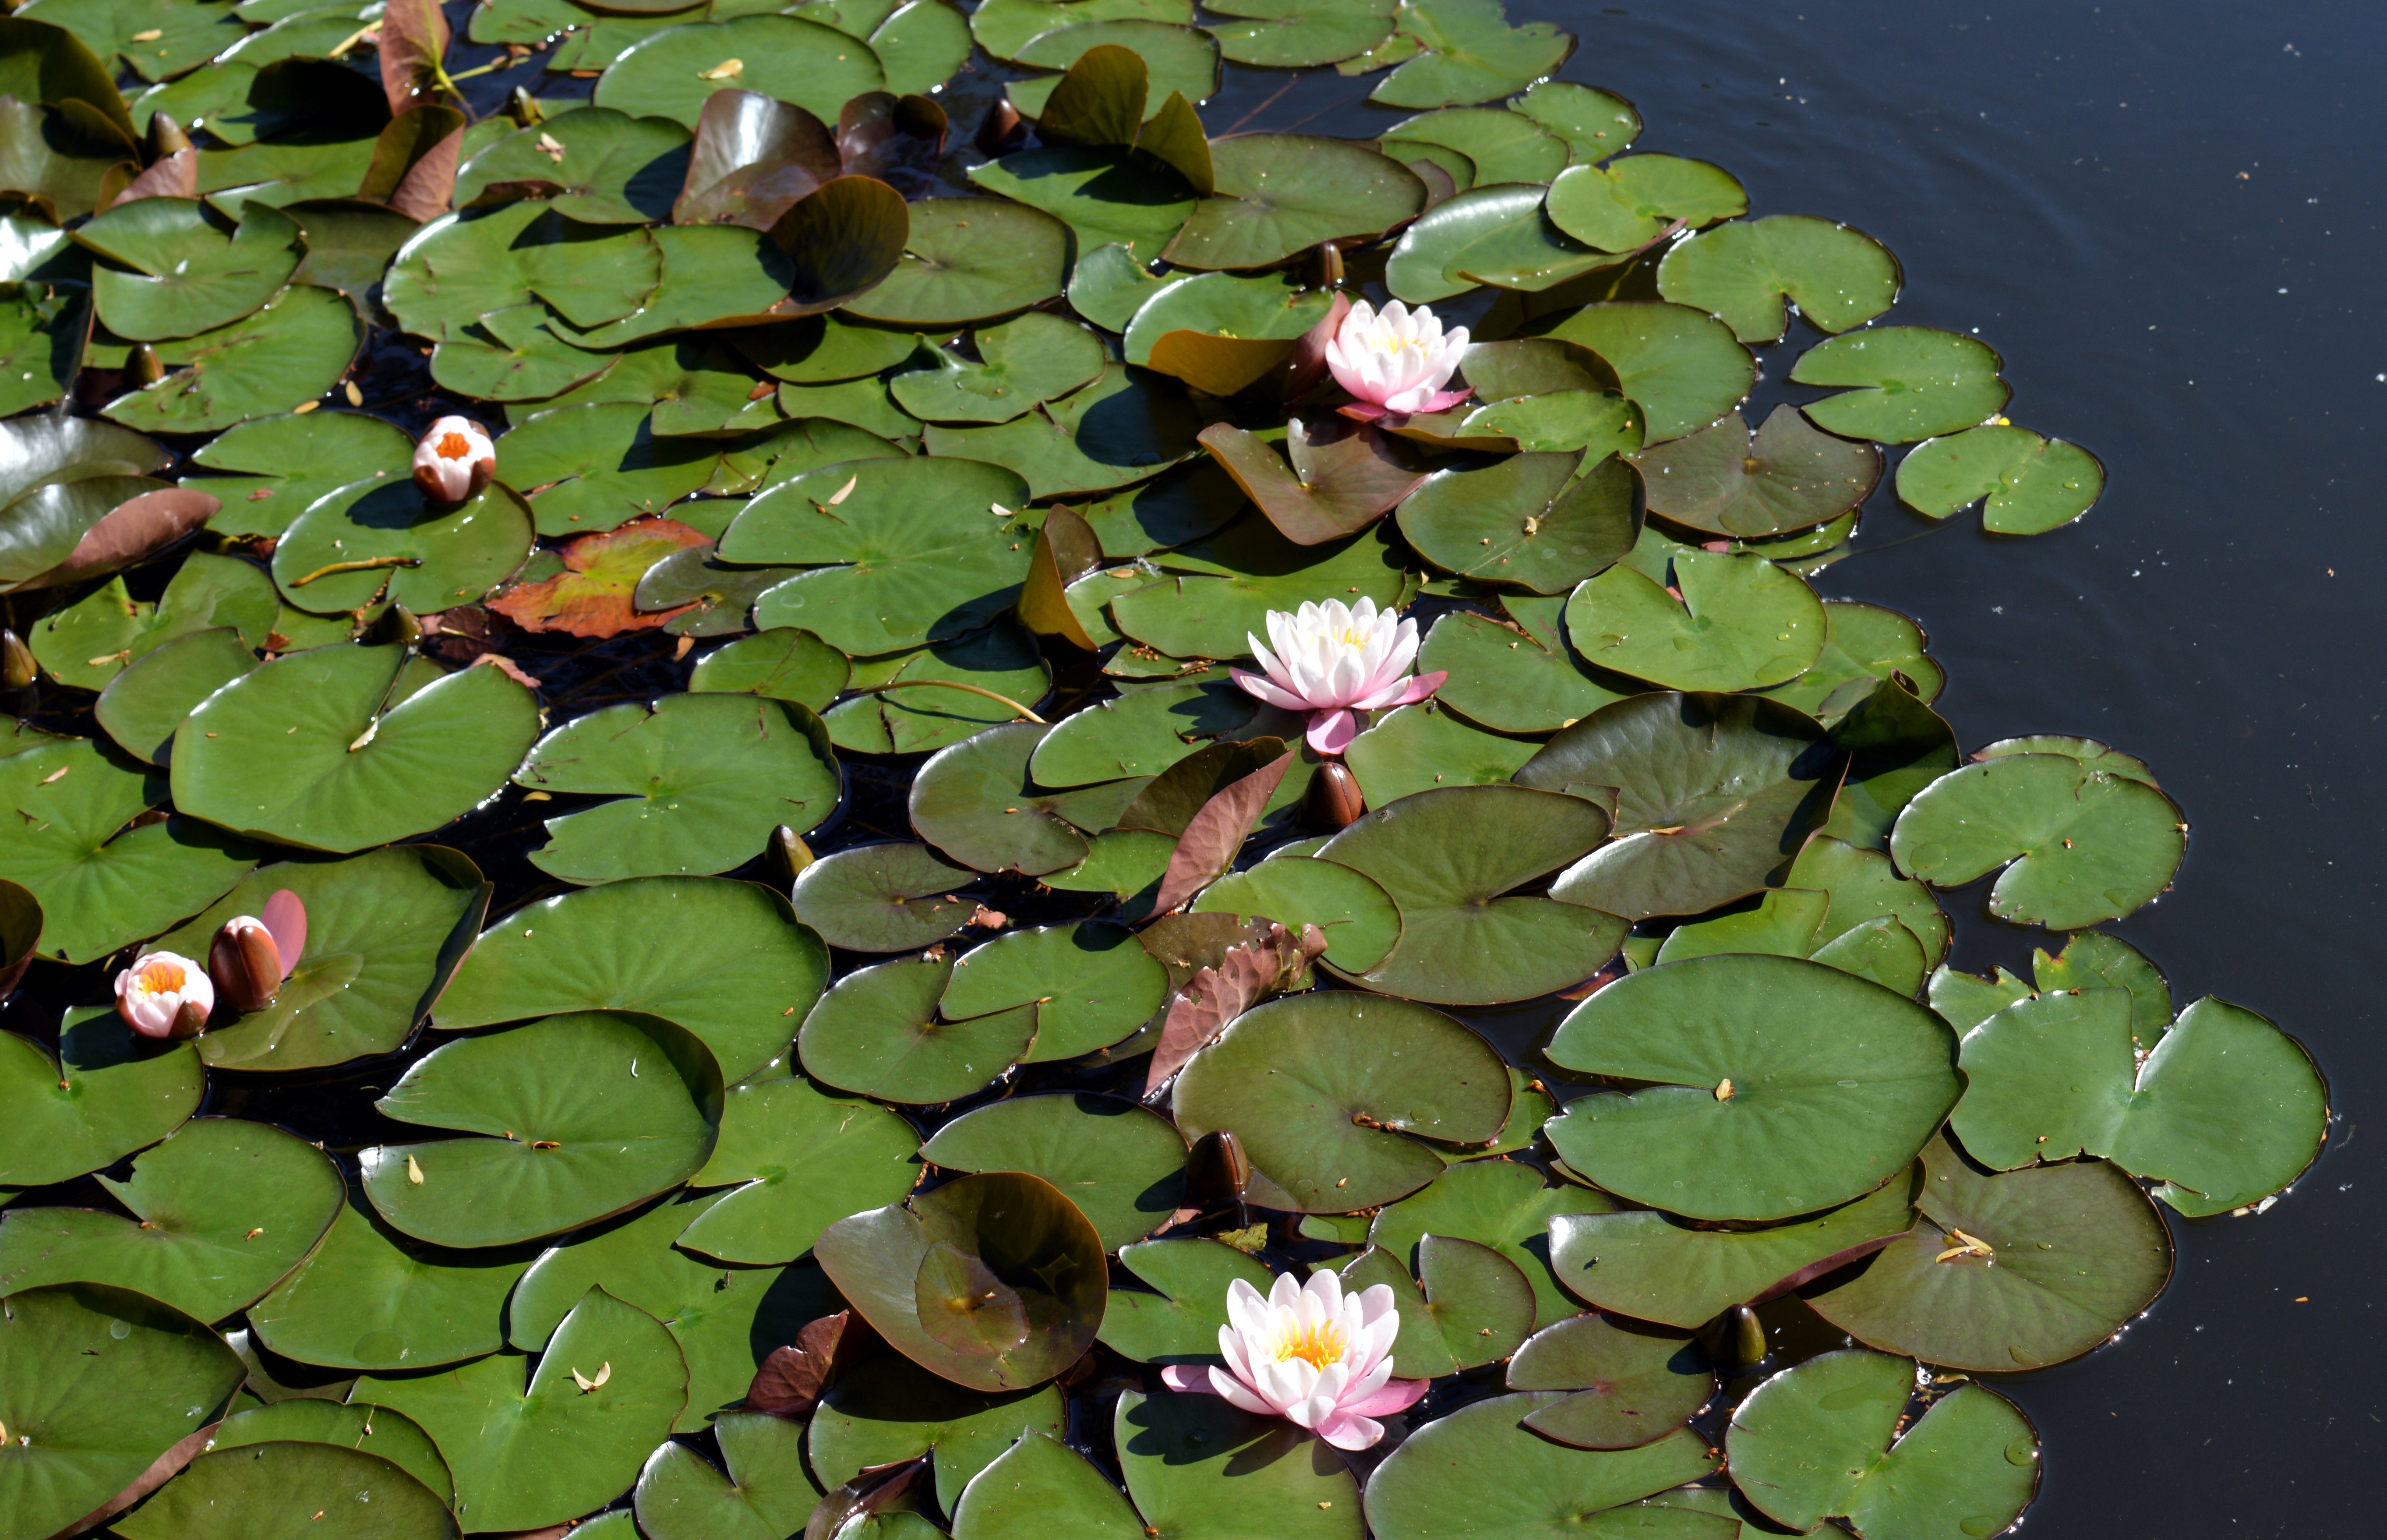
point(1347, 1430)
point(1269, 690)
point(1330, 732)
point(286, 921)
point(1397, 1396)
point(1192, 1378)
point(1443, 401)
point(1361, 411)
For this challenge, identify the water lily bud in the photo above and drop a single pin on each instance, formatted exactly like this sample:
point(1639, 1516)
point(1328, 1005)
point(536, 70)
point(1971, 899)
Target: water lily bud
point(397, 626)
point(17, 665)
point(244, 964)
point(1333, 799)
point(455, 460)
point(1218, 1170)
point(524, 108)
point(1735, 1340)
point(143, 364)
point(786, 855)
point(166, 136)
point(163, 995)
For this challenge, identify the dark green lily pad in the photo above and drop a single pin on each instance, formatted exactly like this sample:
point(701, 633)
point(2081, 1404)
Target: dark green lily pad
point(1471, 54)
point(1522, 680)
point(41, 333)
point(317, 1419)
point(1297, 34)
point(107, 1093)
point(2033, 485)
point(1632, 1384)
point(288, 352)
point(803, 1160)
point(282, 464)
point(1838, 277)
point(1121, 1165)
point(1483, 1470)
point(889, 897)
point(890, 1409)
point(180, 267)
point(2227, 1108)
point(1475, 1307)
point(614, 169)
point(1180, 1323)
point(1127, 426)
point(728, 960)
point(1913, 383)
point(385, 932)
point(432, 555)
point(527, 1458)
point(2073, 1253)
point(1182, 59)
point(970, 260)
point(370, 1297)
point(274, 1491)
point(1683, 367)
point(977, 801)
point(1021, 363)
point(877, 1031)
point(1107, 195)
point(95, 1384)
point(1091, 983)
point(1712, 797)
point(303, 751)
point(917, 715)
point(1281, 194)
point(1462, 942)
point(90, 642)
point(1358, 919)
point(1779, 1086)
point(1418, 748)
point(578, 1132)
point(224, 1209)
point(1785, 476)
point(1198, 1467)
point(672, 72)
point(2085, 846)
point(1498, 1204)
point(823, 348)
point(101, 883)
point(1816, 1441)
point(995, 1282)
point(1326, 1112)
point(766, 1493)
point(1529, 519)
point(1742, 622)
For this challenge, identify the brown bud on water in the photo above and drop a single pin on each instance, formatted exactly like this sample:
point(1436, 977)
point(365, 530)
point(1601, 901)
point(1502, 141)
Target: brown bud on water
point(17, 665)
point(143, 364)
point(398, 625)
point(1734, 1340)
point(785, 856)
point(1218, 1172)
point(1328, 265)
point(1333, 800)
point(999, 129)
point(190, 1020)
point(244, 964)
point(166, 136)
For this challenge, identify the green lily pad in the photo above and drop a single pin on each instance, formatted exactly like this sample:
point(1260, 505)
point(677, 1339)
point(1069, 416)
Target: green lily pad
point(2227, 1108)
point(890, 1408)
point(68, 158)
point(1424, 266)
point(730, 961)
point(107, 1093)
point(315, 1420)
point(725, 1318)
point(1125, 427)
point(1183, 59)
point(1913, 383)
point(1520, 679)
point(977, 802)
point(695, 385)
point(889, 897)
point(766, 1495)
point(1500, 145)
point(1091, 983)
point(705, 778)
point(579, 1133)
point(1021, 363)
point(42, 332)
point(1327, 1113)
point(877, 1031)
point(1632, 1384)
point(672, 72)
point(2033, 485)
point(920, 45)
point(282, 464)
point(2086, 845)
point(90, 642)
point(1141, 733)
point(614, 169)
point(527, 1458)
point(801, 1160)
point(1199, 1467)
point(1471, 54)
point(1596, 422)
point(1816, 1441)
point(824, 348)
point(1121, 1165)
point(1126, 864)
point(224, 1209)
point(288, 352)
point(431, 555)
point(303, 752)
point(1594, 123)
point(1653, 1266)
point(2088, 751)
point(1712, 797)
point(1838, 277)
point(1359, 920)
point(1497, 1203)
point(1280, 193)
point(177, 267)
point(1220, 589)
point(1897, 748)
point(2075, 1251)
point(155, 38)
point(1785, 476)
point(969, 260)
point(994, 1282)
point(1683, 367)
point(591, 467)
point(915, 716)
point(1778, 1086)
point(1862, 645)
point(1418, 748)
point(784, 665)
point(1178, 1324)
point(1529, 519)
point(370, 1298)
point(1475, 1307)
point(926, 555)
point(1462, 942)
point(1742, 622)
point(1483, 1471)
point(2095, 960)
point(274, 1491)
point(467, 265)
point(385, 932)
point(101, 883)
point(1627, 205)
point(1107, 194)
point(1298, 34)
point(95, 1384)
point(1038, 1482)
point(1004, 27)
point(1794, 922)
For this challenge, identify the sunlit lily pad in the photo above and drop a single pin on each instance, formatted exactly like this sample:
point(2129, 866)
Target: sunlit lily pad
point(1838, 277)
point(1183, 59)
point(1121, 1165)
point(1483, 1471)
point(395, 542)
point(1594, 123)
point(765, 1491)
point(286, 354)
point(107, 1093)
point(799, 1160)
point(1628, 204)
point(2085, 846)
point(1425, 267)
point(1294, 34)
point(2033, 485)
point(1091, 983)
point(1475, 1307)
point(1524, 679)
point(1785, 476)
point(1281, 194)
point(1358, 917)
point(1913, 383)
point(269, 1488)
point(176, 267)
point(1632, 1384)
point(1543, 521)
point(1220, 589)
point(614, 169)
point(90, 642)
point(1777, 1086)
point(1125, 427)
point(890, 1409)
point(671, 73)
point(1498, 1203)
point(970, 260)
point(1020, 363)
point(1418, 748)
point(466, 265)
point(1683, 367)
point(316, 1420)
point(1741, 621)
point(279, 465)
point(1471, 54)
point(878, 1032)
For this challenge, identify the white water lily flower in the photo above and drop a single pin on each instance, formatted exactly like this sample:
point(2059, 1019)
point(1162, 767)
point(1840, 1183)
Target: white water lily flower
point(1310, 1354)
point(1395, 361)
point(1334, 662)
point(164, 995)
point(455, 460)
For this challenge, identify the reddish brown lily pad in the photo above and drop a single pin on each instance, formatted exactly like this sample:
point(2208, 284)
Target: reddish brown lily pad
point(591, 596)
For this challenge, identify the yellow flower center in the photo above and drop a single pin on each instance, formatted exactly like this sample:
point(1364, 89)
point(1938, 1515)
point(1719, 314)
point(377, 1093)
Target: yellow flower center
point(454, 445)
point(159, 978)
point(1320, 1344)
point(1351, 635)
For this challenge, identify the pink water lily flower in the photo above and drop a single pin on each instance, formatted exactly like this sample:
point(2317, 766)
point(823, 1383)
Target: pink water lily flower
point(164, 995)
point(1310, 1354)
point(1397, 360)
point(455, 460)
point(1335, 662)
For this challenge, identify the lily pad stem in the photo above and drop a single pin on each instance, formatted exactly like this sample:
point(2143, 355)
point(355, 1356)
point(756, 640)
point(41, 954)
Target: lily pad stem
point(368, 564)
point(1020, 711)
